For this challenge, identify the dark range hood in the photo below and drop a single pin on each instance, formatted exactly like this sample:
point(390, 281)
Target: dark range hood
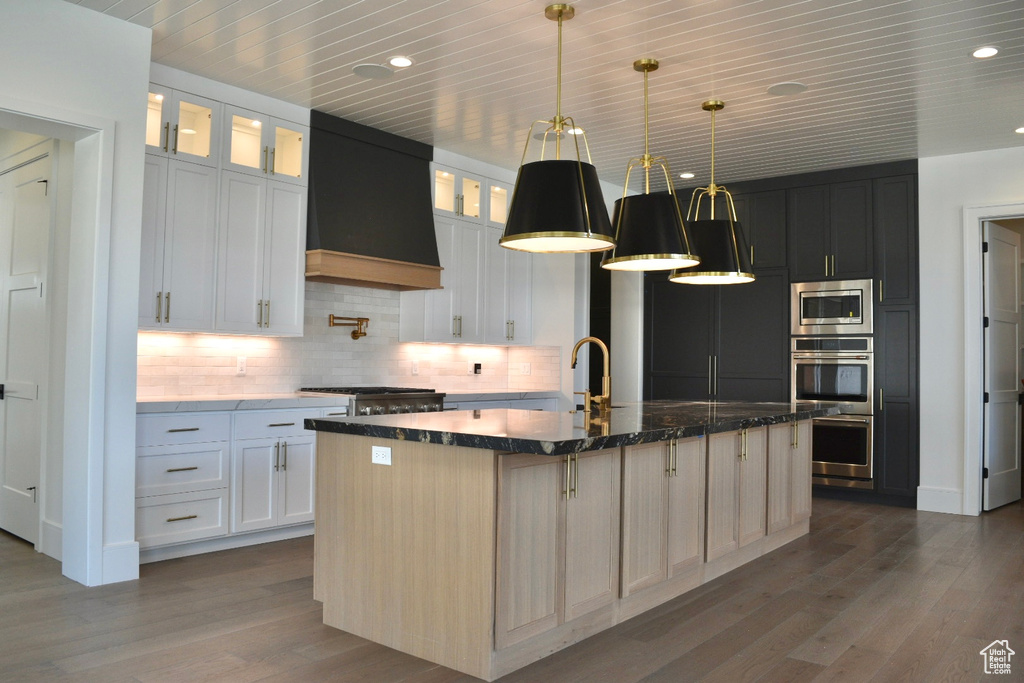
point(370, 220)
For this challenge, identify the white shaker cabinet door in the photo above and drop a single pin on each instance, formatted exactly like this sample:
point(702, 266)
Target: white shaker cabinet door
point(284, 259)
point(240, 277)
point(190, 245)
point(254, 484)
point(296, 480)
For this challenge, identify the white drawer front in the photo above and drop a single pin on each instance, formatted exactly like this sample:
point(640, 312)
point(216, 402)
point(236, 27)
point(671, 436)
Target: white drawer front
point(160, 470)
point(179, 517)
point(167, 430)
point(262, 424)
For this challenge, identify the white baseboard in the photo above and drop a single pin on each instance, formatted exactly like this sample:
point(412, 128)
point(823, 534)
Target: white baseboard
point(950, 501)
point(51, 539)
point(169, 552)
point(120, 562)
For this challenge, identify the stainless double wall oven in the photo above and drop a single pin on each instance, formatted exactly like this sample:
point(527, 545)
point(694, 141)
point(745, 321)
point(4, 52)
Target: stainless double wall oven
point(833, 364)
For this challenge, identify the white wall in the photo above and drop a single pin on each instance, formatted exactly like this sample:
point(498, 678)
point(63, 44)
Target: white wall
point(81, 68)
point(950, 188)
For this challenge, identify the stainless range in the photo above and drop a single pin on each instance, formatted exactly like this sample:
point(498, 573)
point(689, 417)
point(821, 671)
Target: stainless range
point(383, 400)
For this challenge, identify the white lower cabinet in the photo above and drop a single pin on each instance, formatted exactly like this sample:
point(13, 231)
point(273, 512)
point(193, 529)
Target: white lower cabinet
point(272, 470)
point(204, 475)
point(272, 481)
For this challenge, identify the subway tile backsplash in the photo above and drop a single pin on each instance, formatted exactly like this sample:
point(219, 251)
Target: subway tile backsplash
point(207, 364)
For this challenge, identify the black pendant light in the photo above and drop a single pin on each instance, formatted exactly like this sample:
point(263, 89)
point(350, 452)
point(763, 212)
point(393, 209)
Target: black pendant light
point(557, 205)
point(649, 230)
point(719, 241)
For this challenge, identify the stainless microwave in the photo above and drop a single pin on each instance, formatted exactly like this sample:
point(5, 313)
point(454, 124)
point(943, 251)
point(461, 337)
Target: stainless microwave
point(836, 307)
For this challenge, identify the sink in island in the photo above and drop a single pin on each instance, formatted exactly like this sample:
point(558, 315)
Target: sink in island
point(487, 540)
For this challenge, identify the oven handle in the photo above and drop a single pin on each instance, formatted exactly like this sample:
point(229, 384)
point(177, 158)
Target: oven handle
point(863, 420)
point(833, 357)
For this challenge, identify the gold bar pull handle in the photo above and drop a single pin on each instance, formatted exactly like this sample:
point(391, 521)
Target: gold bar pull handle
point(265, 148)
point(277, 456)
point(512, 338)
point(174, 150)
point(182, 519)
point(167, 135)
point(826, 265)
point(881, 400)
point(281, 424)
point(182, 469)
point(668, 456)
point(159, 306)
point(266, 304)
point(568, 476)
point(273, 160)
point(576, 475)
point(183, 429)
point(455, 326)
point(833, 265)
point(284, 456)
point(751, 255)
point(880, 297)
point(259, 313)
point(167, 307)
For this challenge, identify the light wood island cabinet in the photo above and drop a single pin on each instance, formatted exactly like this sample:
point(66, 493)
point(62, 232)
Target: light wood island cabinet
point(486, 560)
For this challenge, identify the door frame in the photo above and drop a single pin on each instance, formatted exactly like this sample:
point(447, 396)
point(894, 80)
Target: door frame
point(85, 390)
point(974, 345)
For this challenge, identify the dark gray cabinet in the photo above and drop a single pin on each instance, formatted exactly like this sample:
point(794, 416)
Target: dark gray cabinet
point(722, 342)
point(830, 231)
point(896, 449)
point(895, 223)
point(763, 217)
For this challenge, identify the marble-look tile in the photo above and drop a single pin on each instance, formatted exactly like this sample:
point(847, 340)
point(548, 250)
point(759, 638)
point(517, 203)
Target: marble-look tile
point(559, 433)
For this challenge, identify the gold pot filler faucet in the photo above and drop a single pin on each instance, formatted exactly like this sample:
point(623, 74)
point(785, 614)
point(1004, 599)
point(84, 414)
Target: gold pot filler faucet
point(604, 401)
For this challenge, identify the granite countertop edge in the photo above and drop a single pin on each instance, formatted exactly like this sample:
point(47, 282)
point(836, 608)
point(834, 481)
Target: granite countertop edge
point(541, 446)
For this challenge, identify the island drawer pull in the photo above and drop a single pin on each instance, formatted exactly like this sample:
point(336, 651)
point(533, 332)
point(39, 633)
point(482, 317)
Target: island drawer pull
point(182, 429)
point(281, 424)
point(182, 519)
point(344, 412)
point(183, 469)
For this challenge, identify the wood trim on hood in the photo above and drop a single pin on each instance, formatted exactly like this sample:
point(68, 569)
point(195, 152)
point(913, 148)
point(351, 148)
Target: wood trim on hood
point(369, 271)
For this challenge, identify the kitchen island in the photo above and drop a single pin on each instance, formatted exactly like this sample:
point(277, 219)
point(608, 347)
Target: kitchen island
point(486, 540)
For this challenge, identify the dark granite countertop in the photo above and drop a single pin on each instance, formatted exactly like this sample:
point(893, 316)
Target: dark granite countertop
point(558, 433)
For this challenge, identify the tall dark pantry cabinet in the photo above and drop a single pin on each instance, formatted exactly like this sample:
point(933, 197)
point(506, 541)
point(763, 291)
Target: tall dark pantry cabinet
point(732, 342)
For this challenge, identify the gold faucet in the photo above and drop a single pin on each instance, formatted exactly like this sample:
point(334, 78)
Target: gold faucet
point(604, 401)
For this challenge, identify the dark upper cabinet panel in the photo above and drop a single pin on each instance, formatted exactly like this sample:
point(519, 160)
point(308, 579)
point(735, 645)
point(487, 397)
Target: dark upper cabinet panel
point(895, 223)
point(763, 218)
point(809, 248)
point(850, 232)
point(753, 327)
point(680, 322)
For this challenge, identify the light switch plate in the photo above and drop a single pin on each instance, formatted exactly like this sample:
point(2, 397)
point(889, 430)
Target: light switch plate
point(524, 369)
point(415, 367)
point(380, 455)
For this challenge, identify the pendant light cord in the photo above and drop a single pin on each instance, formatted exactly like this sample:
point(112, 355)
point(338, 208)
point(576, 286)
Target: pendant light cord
point(712, 190)
point(558, 94)
point(647, 148)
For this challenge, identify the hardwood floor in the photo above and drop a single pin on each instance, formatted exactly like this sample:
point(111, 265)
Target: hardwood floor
point(871, 594)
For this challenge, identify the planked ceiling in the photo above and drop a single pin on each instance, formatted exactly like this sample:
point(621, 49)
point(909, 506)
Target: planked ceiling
point(887, 79)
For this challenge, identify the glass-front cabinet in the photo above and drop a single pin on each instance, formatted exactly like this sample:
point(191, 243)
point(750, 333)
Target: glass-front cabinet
point(257, 144)
point(181, 126)
point(469, 196)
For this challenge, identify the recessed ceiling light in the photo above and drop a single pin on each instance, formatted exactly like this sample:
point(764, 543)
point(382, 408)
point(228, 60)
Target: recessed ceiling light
point(400, 61)
point(378, 71)
point(575, 131)
point(786, 89)
point(985, 52)
point(687, 175)
point(158, 97)
point(256, 123)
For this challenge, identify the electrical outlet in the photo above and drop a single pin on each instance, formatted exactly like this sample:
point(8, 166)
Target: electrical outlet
point(469, 368)
point(240, 365)
point(524, 369)
point(415, 367)
point(380, 455)
point(477, 368)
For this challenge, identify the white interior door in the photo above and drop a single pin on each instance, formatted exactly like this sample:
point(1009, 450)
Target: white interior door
point(1001, 267)
point(24, 254)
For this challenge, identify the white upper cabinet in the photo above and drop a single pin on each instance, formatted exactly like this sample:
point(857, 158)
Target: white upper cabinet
point(179, 242)
point(224, 213)
point(182, 126)
point(260, 285)
point(487, 291)
point(258, 144)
